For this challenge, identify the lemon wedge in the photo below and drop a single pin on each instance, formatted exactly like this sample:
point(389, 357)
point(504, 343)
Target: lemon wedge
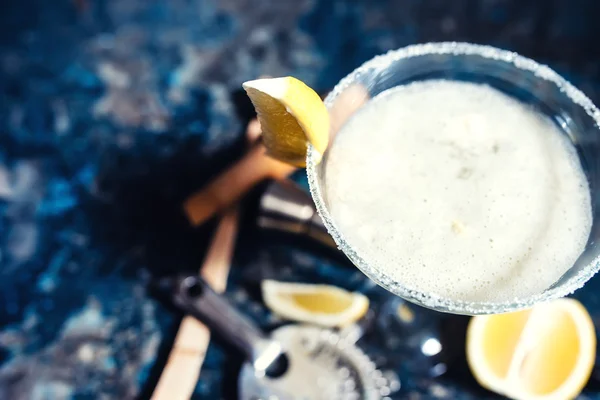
point(544, 353)
point(291, 116)
point(323, 305)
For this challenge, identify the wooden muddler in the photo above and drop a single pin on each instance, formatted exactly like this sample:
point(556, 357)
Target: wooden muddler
point(180, 374)
point(232, 184)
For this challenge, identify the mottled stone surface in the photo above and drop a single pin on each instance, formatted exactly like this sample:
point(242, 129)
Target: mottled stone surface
point(112, 111)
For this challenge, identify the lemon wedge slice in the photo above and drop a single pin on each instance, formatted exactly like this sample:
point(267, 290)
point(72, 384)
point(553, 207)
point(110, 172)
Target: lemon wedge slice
point(323, 305)
point(544, 353)
point(291, 115)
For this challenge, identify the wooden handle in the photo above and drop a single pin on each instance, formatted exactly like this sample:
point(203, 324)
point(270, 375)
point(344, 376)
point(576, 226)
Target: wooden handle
point(232, 184)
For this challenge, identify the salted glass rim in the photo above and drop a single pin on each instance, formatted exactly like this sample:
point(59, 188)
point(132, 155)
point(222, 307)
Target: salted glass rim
point(433, 300)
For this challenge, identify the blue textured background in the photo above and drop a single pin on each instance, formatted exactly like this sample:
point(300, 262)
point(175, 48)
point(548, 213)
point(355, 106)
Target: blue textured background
point(113, 111)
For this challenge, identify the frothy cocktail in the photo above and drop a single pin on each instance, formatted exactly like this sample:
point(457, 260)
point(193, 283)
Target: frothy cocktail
point(456, 189)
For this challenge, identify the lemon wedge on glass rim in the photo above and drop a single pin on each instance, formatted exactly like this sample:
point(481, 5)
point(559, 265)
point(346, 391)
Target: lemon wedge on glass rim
point(544, 353)
point(318, 304)
point(291, 116)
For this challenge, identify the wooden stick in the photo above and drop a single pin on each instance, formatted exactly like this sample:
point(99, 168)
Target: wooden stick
point(180, 375)
point(227, 188)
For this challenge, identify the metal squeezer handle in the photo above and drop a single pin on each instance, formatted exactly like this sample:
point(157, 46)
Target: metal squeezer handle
point(195, 297)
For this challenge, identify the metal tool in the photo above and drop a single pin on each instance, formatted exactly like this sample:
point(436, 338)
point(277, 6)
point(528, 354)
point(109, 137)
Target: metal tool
point(295, 362)
point(195, 297)
point(323, 365)
point(285, 207)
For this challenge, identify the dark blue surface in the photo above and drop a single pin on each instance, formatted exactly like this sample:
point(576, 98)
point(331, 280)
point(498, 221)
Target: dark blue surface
point(112, 112)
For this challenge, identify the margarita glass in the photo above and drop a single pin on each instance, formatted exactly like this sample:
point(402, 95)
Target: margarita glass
point(519, 77)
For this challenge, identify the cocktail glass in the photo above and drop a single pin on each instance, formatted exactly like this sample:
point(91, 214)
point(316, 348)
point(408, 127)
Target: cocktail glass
point(512, 74)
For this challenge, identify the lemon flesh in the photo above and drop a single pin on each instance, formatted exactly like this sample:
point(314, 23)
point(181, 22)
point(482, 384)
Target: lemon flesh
point(323, 305)
point(545, 353)
point(291, 116)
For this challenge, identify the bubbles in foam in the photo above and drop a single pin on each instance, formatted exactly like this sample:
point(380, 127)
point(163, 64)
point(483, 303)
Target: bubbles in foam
point(521, 208)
